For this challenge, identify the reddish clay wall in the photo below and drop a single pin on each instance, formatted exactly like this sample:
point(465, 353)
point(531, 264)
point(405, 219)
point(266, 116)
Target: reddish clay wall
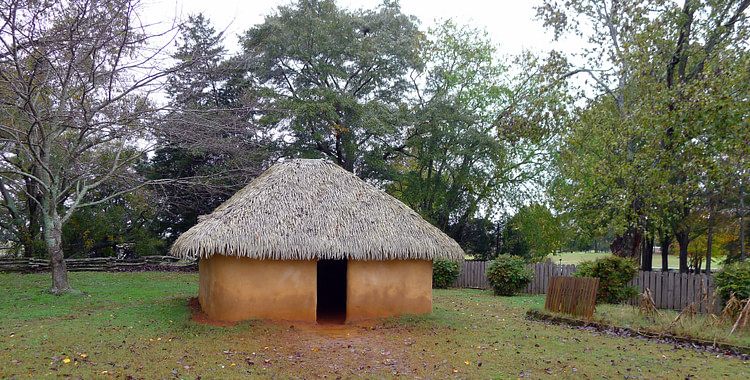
point(386, 288)
point(239, 288)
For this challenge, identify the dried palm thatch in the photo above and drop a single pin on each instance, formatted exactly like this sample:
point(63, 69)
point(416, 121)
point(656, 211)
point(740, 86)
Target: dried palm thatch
point(304, 209)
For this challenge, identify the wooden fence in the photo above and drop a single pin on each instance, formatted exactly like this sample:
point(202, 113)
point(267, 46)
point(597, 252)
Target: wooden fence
point(542, 274)
point(103, 264)
point(671, 290)
point(473, 275)
point(572, 295)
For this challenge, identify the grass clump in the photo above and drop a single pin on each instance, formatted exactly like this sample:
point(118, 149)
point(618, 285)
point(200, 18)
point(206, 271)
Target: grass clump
point(508, 275)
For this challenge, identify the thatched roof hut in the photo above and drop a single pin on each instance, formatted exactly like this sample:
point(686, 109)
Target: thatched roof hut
point(300, 215)
point(313, 209)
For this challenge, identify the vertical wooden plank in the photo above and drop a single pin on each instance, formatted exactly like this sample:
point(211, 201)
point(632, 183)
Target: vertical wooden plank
point(678, 289)
point(462, 275)
point(691, 290)
point(540, 284)
point(540, 273)
point(655, 286)
point(467, 275)
point(473, 276)
point(464, 271)
point(542, 278)
point(684, 290)
point(642, 282)
point(478, 275)
point(664, 289)
point(671, 292)
point(705, 300)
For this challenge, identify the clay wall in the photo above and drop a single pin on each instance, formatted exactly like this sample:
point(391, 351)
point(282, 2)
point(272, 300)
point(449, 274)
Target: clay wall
point(388, 288)
point(239, 288)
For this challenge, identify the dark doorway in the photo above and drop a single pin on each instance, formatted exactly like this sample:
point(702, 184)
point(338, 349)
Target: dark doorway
point(331, 291)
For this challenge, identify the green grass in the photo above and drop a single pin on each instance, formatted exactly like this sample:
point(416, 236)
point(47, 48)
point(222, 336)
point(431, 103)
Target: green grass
point(137, 324)
point(579, 257)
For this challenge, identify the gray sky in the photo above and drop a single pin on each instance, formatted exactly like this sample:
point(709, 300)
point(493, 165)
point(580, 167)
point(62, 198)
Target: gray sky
point(510, 23)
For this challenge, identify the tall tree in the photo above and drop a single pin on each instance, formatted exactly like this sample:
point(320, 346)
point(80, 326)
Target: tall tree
point(660, 116)
point(75, 82)
point(480, 131)
point(208, 137)
point(332, 80)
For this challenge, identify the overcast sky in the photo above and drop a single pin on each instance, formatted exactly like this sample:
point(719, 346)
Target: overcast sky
point(510, 23)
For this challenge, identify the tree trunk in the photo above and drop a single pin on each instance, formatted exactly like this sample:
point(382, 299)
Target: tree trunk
point(53, 242)
point(683, 238)
point(647, 261)
point(626, 245)
point(709, 238)
point(31, 234)
point(665, 240)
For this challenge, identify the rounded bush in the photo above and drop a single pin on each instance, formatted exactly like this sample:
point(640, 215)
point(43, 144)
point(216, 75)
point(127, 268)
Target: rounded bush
point(734, 278)
point(444, 273)
point(614, 273)
point(509, 274)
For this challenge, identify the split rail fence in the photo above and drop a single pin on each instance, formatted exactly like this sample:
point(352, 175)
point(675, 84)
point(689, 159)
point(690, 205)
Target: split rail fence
point(103, 264)
point(671, 290)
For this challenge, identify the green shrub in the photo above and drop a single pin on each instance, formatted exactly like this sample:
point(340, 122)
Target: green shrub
point(734, 278)
point(444, 273)
point(614, 273)
point(509, 274)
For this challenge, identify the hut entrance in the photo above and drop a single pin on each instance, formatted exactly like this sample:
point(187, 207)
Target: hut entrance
point(331, 291)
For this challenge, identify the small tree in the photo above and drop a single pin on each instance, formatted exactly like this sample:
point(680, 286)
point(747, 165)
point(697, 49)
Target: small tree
point(74, 106)
point(533, 233)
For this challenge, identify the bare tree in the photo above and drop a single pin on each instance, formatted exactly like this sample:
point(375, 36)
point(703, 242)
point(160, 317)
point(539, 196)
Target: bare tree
point(75, 77)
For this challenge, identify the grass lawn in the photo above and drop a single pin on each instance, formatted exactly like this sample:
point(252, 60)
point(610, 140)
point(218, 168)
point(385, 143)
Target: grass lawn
point(579, 257)
point(138, 325)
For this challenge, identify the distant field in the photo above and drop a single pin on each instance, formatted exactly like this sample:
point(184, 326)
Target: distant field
point(579, 257)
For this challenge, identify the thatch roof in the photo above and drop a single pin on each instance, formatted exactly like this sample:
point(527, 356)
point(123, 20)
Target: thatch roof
point(304, 209)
